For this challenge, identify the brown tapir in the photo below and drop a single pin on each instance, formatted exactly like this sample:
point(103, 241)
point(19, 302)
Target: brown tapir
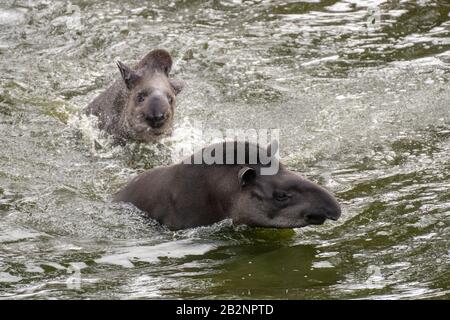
point(197, 193)
point(140, 106)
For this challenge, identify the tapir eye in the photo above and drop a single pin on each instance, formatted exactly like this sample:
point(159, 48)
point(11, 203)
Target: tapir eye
point(170, 99)
point(281, 196)
point(141, 97)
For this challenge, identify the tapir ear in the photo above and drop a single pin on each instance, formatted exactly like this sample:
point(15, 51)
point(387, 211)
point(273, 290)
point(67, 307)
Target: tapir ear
point(272, 148)
point(246, 175)
point(158, 59)
point(129, 76)
point(177, 85)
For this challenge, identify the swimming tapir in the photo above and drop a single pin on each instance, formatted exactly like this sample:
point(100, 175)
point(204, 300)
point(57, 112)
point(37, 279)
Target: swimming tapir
point(140, 106)
point(198, 193)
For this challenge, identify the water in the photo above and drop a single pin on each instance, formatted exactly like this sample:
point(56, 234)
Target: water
point(359, 89)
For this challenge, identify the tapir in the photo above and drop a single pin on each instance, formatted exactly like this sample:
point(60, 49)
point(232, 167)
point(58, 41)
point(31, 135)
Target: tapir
point(237, 186)
point(140, 106)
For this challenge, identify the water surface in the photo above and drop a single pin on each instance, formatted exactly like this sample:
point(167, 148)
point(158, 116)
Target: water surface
point(359, 89)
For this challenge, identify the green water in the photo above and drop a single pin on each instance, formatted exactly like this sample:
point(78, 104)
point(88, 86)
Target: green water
point(361, 96)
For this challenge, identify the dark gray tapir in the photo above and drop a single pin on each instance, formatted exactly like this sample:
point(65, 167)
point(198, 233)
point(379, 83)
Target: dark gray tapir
point(192, 193)
point(141, 105)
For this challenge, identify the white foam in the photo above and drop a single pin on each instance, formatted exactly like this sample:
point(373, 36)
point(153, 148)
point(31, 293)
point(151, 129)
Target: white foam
point(6, 277)
point(150, 254)
point(100, 144)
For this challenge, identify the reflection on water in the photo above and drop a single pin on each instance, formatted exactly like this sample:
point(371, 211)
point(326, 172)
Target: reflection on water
point(359, 89)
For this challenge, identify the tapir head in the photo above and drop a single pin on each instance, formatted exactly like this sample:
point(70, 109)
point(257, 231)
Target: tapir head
point(283, 200)
point(151, 95)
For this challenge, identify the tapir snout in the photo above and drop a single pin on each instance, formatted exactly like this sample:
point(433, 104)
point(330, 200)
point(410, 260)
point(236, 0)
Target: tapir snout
point(322, 205)
point(158, 110)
